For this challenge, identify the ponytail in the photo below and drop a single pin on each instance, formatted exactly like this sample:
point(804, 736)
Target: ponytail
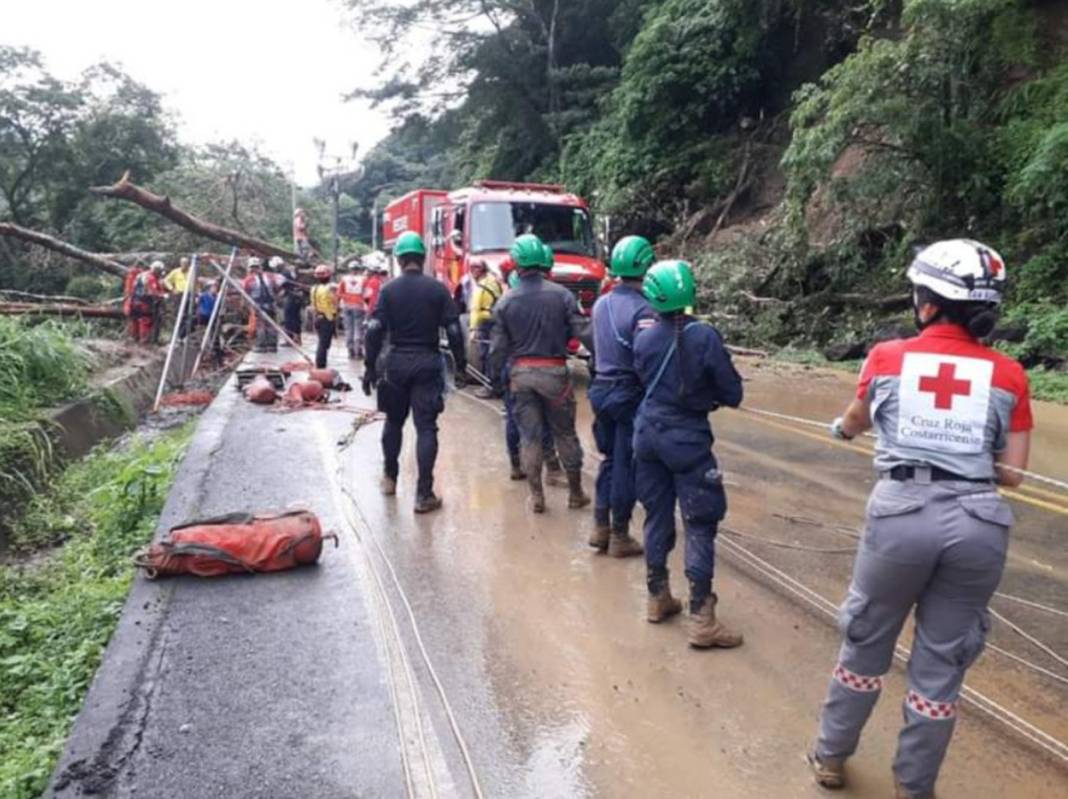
point(978, 318)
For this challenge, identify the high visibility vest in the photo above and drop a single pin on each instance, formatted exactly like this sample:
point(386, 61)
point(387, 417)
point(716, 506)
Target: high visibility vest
point(350, 291)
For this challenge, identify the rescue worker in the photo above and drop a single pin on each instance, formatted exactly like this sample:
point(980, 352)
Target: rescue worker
point(324, 306)
point(487, 290)
point(411, 311)
point(686, 372)
point(147, 303)
point(263, 290)
point(372, 285)
point(294, 295)
point(616, 392)
point(129, 306)
point(553, 469)
point(534, 323)
point(175, 283)
point(953, 419)
point(353, 308)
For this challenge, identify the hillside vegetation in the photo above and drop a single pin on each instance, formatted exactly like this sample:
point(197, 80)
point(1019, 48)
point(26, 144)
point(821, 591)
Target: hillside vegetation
point(796, 151)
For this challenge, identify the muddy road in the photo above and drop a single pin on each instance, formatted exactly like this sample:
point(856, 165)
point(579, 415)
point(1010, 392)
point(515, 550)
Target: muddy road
point(482, 640)
point(564, 689)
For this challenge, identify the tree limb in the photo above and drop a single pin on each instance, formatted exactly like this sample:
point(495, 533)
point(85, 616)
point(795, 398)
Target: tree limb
point(125, 189)
point(57, 245)
point(34, 309)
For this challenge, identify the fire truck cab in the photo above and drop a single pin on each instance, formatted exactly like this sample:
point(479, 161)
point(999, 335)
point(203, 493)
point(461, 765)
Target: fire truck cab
point(481, 221)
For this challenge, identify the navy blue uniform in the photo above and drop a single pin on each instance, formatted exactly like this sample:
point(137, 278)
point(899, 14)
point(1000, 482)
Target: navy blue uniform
point(614, 395)
point(686, 372)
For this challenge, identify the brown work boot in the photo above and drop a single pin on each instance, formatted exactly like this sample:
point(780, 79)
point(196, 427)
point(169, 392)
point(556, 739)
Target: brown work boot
point(517, 471)
point(621, 545)
point(554, 476)
point(576, 498)
point(537, 500)
point(901, 792)
point(706, 632)
point(388, 485)
point(829, 772)
point(662, 605)
point(600, 535)
point(430, 502)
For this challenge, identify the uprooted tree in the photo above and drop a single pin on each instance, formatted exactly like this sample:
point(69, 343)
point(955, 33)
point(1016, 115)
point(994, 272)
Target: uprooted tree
point(64, 248)
point(125, 189)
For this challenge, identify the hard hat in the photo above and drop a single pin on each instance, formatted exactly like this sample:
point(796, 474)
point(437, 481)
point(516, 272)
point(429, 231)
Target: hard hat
point(513, 279)
point(277, 262)
point(255, 263)
point(410, 243)
point(631, 257)
point(528, 252)
point(322, 270)
point(157, 266)
point(961, 270)
point(547, 257)
point(669, 286)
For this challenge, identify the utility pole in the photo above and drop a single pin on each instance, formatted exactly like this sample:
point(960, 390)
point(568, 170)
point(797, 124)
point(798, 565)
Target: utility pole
point(334, 173)
point(374, 224)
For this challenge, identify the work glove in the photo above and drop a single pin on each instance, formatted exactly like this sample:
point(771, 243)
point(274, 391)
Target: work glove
point(838, 430)
point(370, 379)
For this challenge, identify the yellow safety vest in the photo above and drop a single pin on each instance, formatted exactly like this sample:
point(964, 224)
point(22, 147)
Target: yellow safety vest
point(324, 301)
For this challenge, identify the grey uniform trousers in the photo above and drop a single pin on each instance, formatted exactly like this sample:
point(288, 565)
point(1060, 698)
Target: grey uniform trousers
point(544, 398)
point(939, 547)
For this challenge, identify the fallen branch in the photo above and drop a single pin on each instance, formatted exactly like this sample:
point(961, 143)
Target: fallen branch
point(27, 295)
point(160, 204)
point(761, 300)
point(895, 302)
point(36, 309)
point(50, 242)
point(746, 351)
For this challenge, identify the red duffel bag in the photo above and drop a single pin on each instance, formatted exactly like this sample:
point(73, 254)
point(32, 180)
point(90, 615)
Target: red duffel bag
point(238, 542)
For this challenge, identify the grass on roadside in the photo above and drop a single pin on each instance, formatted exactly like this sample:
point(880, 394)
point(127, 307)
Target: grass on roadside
point(58, 610)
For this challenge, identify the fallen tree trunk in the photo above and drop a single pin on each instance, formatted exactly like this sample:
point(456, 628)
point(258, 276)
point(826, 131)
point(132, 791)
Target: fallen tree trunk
point(62, 247)
point(161, 204)
point(18, 296)
point(57, 309)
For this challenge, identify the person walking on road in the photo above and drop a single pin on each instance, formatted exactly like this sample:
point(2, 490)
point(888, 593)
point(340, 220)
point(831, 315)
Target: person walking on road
point(324, 307)
point(953, 419)
point(616, 392)
point(263, 290)
point(686, 372)
point(534, 323)
point(411, 311)
point(353, 308)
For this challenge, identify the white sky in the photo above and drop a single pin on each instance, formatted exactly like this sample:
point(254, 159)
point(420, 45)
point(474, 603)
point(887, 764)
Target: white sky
point(270, 72)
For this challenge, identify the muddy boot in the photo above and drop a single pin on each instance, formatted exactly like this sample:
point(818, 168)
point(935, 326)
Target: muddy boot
point(537, 494)
point(517, 470)
point(388, 485)
point(621, 545)
point(602, 531)
point(428, 503)
point(828, 772)
point(705, 631)
point(576, 498)
point(661, 604)
point(900, 792)
point(554, 475)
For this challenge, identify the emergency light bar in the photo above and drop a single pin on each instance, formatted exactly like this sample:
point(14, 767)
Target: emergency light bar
point(548, 188)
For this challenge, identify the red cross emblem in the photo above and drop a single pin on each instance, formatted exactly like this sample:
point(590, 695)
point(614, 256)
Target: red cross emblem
point(945, 386)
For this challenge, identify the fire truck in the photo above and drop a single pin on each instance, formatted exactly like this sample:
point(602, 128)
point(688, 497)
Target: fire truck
point(481, 221)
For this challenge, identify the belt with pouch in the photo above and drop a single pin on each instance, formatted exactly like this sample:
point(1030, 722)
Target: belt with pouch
point(924, 474)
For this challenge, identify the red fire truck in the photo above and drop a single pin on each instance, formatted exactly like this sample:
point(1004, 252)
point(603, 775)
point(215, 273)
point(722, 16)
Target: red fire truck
point(480, 222)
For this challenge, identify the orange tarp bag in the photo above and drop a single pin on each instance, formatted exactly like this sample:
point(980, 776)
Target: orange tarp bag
point(238, 542)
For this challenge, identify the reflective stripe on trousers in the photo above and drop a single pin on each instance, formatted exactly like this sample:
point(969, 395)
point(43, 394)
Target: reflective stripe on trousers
point(939, 548)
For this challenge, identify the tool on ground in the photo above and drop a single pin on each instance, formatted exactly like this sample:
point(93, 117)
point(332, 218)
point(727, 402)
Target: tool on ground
point(236, 543)
point(174, 333)
point(260, 391)
point(276, 377)
point(214, 326)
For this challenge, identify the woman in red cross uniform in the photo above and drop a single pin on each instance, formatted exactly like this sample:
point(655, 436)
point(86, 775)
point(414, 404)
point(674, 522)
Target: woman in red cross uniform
point(953, 420)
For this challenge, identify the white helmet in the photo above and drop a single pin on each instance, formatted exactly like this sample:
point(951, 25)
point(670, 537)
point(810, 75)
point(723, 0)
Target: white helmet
point(276, 262)
point(157, 266)
point(960, 270)
point(254, 263)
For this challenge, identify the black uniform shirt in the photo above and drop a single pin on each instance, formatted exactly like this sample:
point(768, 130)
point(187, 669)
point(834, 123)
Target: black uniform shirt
point(536, 319)
point(412, 309)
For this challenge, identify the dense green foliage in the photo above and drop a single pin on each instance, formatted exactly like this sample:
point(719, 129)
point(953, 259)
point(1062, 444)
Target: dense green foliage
point(844, 133)
point(58, 612)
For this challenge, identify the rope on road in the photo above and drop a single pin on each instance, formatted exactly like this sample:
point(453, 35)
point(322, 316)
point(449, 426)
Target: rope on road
point(1023, 661)
point(1030, 604)
point(1041, 478)
point(454, 725)
point(1030, 638)
point(788, 545)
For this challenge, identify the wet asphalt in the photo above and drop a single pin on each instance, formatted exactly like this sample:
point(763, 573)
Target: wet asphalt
point(313, 682)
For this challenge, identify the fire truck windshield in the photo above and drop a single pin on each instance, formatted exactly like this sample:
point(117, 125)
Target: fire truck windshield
point(495, 225)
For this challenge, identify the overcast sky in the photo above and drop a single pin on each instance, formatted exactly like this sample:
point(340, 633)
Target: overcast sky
point(265, 72)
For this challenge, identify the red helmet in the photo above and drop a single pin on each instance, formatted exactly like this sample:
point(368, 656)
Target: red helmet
point(323, 270)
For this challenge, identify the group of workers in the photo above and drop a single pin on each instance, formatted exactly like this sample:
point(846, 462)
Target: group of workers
point(150, 294)
point(952, 417)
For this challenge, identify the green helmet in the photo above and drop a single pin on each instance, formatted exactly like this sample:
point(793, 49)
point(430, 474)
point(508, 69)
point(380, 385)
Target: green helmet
point(513, 279)
point(410, 243)
point(631, 257)
point(669, 286)
point(528, 252)
point(547, 258)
